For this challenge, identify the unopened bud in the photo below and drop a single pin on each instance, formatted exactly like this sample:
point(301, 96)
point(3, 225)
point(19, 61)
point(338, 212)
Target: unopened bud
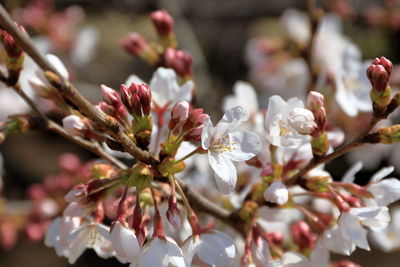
point(389, 135)
point(76, 194)
point(173, 212)
point(163, 22)
point(268, 170)
point(277, 193)
point(302, 235)
point(315, 100)
point(193, 135)
point(379, 73)
point(302, 120)
point(136, 45)
point(141, 175)
point(169, 166)
point(74, 125)
point(110, 96)
point(179, 60)
point(179, 114)
point(136, 98)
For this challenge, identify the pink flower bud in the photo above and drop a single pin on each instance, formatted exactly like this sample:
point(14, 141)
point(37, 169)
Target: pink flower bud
point(106, 108)
point(9, 44)
point(302, 235)
point(179, 60)
point(69, 162)
point(163, 22)
point(74, 125)
point(315, 100)
point(36, 192)
point(179, 114)
point(77, 193)
point(379, 73)
point(8, 235)
point(268, 170)
point(144, 94)
point(110, 96)
point(173, 213)
point(34, 231)
point(134, 44)
point(193, 134)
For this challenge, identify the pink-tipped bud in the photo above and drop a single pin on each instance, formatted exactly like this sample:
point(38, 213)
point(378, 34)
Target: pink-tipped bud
point(9, 44)
point(34, 231)
point(379, 73)
point(74, 125)
point(163, 22)
point(77, 193)
point(110, 96)
point(268, 170)
point(69, 162)
point(179, 114)
point(315, 100)
point(137, 98)
point(106, 108)
point(173, 213)
point(196, 119)
point(302, 235)
point(193, 135)
point(179, 60)
point(134, 44)
point(339, 202)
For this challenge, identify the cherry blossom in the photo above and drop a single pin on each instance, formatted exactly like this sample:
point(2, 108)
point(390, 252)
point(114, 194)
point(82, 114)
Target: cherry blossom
point(225, 145)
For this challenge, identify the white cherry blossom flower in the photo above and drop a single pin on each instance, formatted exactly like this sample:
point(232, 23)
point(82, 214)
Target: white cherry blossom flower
point(212, 247)
point(124, 242)
point(57, 235)
point(160, 252)
point(280, 119)
point(277, 193)
point(225, 144)
point(90, 235)
point(389, 239)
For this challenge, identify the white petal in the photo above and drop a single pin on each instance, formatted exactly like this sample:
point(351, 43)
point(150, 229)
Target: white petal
point(351, 229)
point(57, 63)
point(52, 233)
point(376, 218)
point(225, 171)
point(349, 176)
point(133, 79)
point(245, 146)
point(124, 242)
point(382, 173)
point(163, 253)
point(386, 191)
point(244, 95)
point(277, 192)
point(231, 120)
point(217, 249)
point(294, 259)
point(206, 134)
point(275, 105)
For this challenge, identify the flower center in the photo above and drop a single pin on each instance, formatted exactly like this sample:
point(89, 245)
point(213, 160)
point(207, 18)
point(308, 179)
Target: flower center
point(223, 143)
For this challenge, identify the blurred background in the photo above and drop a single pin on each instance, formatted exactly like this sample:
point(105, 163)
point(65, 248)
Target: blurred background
point(215, 32)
